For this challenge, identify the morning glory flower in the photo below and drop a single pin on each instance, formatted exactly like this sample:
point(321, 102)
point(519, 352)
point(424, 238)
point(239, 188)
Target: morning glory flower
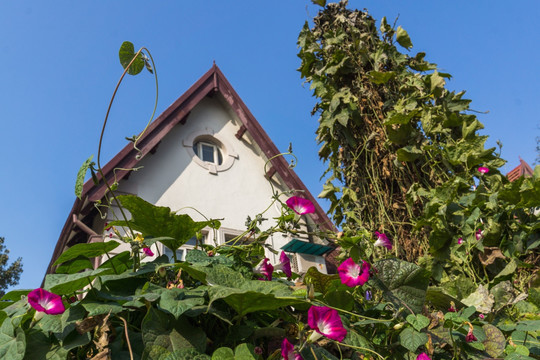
point(265, 268)
point(47, 302)
point(325, 321)
point(287, 351)
point(300, 205)
point(481, 316)
point(147, 251)
point(479, 234)
point(285, 264)
point(423, 356)
point(351, 274)
point(382, 240)
point(483, 170)
point(460, 241)
point(369, 295)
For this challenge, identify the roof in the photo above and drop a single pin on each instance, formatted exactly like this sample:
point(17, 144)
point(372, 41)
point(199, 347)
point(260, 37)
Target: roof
point(523, 169)
point(212, 83)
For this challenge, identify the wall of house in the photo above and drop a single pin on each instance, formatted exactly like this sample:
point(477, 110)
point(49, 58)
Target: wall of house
point(173, 177)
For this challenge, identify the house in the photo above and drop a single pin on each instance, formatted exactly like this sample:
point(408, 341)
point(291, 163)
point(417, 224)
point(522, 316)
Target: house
point(523, 169)
point(205, 151)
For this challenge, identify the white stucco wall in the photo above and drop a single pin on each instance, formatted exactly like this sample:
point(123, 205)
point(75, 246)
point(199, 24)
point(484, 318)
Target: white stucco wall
point(172, 178)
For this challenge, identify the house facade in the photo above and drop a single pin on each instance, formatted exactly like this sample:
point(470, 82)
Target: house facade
point(204, 155)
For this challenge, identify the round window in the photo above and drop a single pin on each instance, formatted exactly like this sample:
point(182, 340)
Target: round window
point(208, 152)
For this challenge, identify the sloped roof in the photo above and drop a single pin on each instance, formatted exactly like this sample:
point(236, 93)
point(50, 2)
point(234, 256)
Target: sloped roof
point(213, 82)
point(523, 169)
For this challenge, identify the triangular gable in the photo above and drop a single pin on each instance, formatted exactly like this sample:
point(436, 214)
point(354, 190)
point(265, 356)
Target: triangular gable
point(523, 169)
point(212, 83)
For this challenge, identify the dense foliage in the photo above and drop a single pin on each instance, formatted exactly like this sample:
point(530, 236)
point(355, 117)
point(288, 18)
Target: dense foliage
point(406, 168)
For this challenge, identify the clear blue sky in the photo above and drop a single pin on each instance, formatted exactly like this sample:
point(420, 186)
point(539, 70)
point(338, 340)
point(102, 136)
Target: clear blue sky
point(59, 66)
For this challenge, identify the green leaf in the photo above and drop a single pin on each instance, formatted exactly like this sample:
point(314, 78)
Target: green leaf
point(494, 342)
point(126, 54)
point(160, 329)
point(319, 2)
point(481, 299)
point(79, 184)
point(418, 321)
point(119, 262)
point(321, 282)
point(199, 257)
point(528, 325)
point(160, 221)
point(178, 301)
point(74, 266)
point(100, 308)
point(62, 284)
point(223, 353)
point(253, 295)
point(340, 299)
point(86, 251)
point(409, 153)
point(403, 38)
point(12, 343)
point(15, 295)
point(402, 283)
point(411, 339)
point(380, 77)
point(245, 352)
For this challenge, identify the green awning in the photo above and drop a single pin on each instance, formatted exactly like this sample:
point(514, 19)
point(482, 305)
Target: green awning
point(304, 247)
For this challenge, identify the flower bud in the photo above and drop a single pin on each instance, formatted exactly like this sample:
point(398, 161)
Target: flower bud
point(162, 272)
point(398, 326)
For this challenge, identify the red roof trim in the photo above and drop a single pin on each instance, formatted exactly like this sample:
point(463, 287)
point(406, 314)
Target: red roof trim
point(212, 81)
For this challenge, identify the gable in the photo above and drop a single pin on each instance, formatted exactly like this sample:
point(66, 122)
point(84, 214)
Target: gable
point(210, 104)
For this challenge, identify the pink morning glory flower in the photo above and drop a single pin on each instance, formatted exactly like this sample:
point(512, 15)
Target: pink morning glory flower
point(265, 268)
point(460, 241)
point(351, 274)
point(423, 356)
point(287, 351)
point(483, 170)
point(147, 251)
point(326, 321)
point(481, 316)
point(47, 302)
point(479, 234)
point(285, 264)
point(382, 240)
point(300, 205)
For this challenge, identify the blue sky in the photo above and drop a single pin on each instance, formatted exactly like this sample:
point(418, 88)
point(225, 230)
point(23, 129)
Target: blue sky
point(60, 65)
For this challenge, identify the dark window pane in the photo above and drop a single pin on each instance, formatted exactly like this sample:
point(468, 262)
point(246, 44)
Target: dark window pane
point(207, 153)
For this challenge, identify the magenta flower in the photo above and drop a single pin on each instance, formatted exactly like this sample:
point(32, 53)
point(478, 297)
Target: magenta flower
point(483, 170)
point(479, 234)
point(300, 205)
point(470, 337)
point(481, 316)
point(423, 356)
point(327, 322)
point(382, 240)
point(285, 264)
point(460, 241)
point(147, 251)
point(265, 268)
point(351, 274)
point(287, 351)
point(452, 309)
point(46, 302)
